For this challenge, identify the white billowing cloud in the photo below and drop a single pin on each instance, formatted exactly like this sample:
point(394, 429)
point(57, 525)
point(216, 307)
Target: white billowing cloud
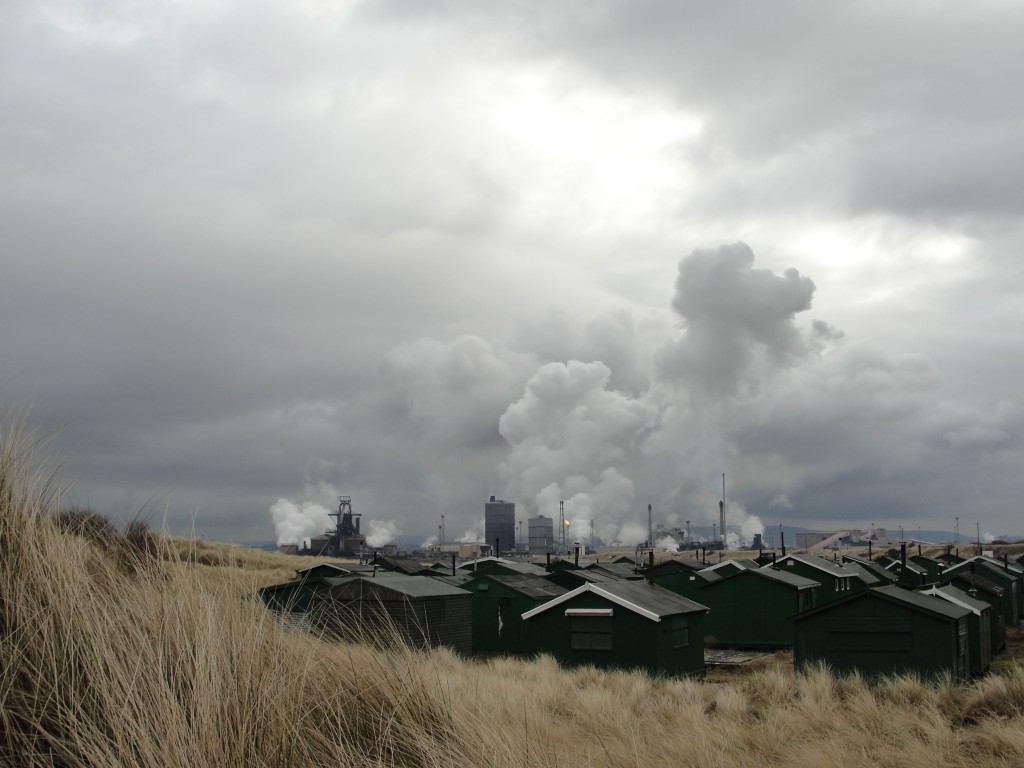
point(381, 532)
point(739, 321)
point(296, 521)
point(571, 432)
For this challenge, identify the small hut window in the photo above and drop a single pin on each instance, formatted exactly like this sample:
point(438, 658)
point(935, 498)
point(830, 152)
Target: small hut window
point(590, 633)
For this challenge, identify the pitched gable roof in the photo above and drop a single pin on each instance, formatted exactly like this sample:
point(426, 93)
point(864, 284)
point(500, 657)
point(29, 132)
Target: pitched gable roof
point(647, 600)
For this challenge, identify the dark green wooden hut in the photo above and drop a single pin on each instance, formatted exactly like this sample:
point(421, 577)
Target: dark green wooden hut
point(571, 578)
point(1008, 567)
point(499, 602)
point(885, 630)
point(933, 566)
point(753, 608)
point(684, 582)
point(1005, 579)
point(835, 580)
point(732, 565)
point(621, 624)
point(423, 611)
point(626, 571)
point(988, 592)
point(979, 624)
point(871, 573)
point(910, 575)
point(500, 566)
point(293, 596)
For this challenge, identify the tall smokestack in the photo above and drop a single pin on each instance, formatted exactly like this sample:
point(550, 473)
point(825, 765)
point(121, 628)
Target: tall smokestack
point(721, 513)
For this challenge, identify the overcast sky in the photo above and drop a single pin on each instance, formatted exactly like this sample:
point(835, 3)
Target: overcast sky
point(258, 254)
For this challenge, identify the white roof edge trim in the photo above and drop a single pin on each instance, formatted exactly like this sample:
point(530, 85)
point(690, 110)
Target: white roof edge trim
point(588, 612)
point(591, 587)
point(935, 592)
point(625, 603)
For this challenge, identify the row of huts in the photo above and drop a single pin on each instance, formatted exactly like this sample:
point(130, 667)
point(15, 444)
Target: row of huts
point(905, 614)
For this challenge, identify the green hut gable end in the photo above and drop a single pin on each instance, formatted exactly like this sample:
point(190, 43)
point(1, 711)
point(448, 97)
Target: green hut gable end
point(754, 608)
point(621, 624)
point(885, 630)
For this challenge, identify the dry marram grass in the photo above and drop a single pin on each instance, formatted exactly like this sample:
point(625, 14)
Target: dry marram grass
point(120, 655)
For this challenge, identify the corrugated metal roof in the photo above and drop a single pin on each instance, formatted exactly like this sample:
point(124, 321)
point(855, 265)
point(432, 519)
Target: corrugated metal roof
point(512, 565)
point(648, 600)
point(828, 566)
point(913, 600)
point(743, 563)
point(980, 564)
point(878, 572)
point(958, 597)
point(531, 586)
point(775, 574)
point(979, 581)
point(911, 566)
point(926, 602)
point(333, 568)
point(411, 586)
point(1011, 565)
point(617, 570)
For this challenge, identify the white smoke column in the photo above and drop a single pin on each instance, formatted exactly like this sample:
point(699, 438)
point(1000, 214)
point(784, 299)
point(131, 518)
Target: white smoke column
point(295, 522)
point(428, 542)
point(470, 537)
point(630, 533)
point(569, 436)
point(667, 544)
point(381, 532)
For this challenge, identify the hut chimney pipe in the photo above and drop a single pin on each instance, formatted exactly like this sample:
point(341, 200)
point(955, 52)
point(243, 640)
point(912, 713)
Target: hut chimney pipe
point(453, 563)
point(650, 567)
point(782, 538)
point(547, 564)
point(576, 555)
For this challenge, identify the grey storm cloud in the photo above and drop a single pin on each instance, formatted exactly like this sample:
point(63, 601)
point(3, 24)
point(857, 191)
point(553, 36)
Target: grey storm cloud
point(422, 252)
point(731, 313)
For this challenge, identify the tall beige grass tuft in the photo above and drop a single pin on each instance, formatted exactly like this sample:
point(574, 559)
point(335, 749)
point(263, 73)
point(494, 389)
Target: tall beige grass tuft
point(116, 654)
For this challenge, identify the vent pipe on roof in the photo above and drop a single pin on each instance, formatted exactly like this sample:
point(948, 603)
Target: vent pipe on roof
point(903, 563)
point(782, 538)
point(773, 558)
point(869, 549)
point(547, 565)
point(453, 563)
point(650, 567)
point(497, 547)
